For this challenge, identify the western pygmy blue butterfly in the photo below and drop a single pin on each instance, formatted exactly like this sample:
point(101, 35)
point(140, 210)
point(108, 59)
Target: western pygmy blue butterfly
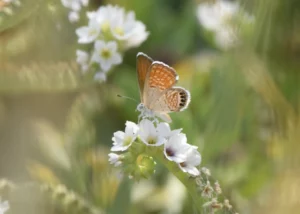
point(158, 94)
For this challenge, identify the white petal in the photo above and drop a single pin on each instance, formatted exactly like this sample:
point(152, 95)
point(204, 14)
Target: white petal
point(131, 128)
point(99, 45)
point(116, 58)
point(105, 65)
point(112, 46)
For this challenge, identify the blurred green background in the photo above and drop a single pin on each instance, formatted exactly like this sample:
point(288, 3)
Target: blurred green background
point(56, 128)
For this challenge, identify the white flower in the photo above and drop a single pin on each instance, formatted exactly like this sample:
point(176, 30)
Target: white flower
point(165, 130)
point(88, 34)
point(72, 4)
point(226, 38)
point(106, 54)
point(82, 59)
point(114, 159)
point(4, 206)
point(193, 159)
point(149, 135)
point(127, 29)
point(123, 140)
point(176, 148)
point(123, 26)
point(73, 16)
point(100, 76)
point(105, 16)
point(214, 16)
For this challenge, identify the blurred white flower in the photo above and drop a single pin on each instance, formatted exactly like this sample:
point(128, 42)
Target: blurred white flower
point(75, 6)
point(218, 17)
point(4, 206)
point(193, 159)
point(114, 159)
point(123, 140)
point(106, 54)
point(88, 34)
point(176, 148)
point(123, 26)
point(128, 30)
point(165, 130)
point(149, 135)
point(100, 76)
point(82, 59)
point(73, 16)
point(213, 16)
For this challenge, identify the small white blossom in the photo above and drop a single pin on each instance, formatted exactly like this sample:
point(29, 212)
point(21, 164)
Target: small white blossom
point(106, 54)
point(88, 34)
point(193, 159)
point(82, 59)
point(149, 134)
point(100, 76)
point(213, 16)
point(165, 130)
point(75, 6)
point(218, 17)
point(123, 140)
point(73, 16)
point(4, 206)
point(114, 159)
point(127, 29)
point(176, 148)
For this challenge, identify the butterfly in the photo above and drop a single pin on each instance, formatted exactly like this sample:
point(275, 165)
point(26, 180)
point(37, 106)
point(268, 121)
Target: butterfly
point(158, 94)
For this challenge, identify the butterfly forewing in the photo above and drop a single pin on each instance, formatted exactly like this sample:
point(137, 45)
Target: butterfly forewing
point(143, 63)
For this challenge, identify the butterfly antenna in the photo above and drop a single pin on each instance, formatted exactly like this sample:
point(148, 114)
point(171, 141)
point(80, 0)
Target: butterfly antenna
point(127, 98)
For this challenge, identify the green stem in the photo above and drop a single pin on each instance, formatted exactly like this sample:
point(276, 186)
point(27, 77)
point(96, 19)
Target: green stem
point(187, 181)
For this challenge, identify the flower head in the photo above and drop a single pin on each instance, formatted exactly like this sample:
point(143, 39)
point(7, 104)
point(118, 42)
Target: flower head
point(149, 134)
point(123, 140)
point(106, 54)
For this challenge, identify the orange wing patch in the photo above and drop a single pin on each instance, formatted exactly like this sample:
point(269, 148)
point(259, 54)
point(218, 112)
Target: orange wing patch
point(162, 76)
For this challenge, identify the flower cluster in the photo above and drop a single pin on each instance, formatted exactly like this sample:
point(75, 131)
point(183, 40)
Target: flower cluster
point(6, 6)
point(4, 206)
point(147, 134)
point(218, 17)
point(110, 31)
point(75, 7)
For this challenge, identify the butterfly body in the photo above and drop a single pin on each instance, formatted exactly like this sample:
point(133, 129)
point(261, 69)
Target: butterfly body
point(158, 94)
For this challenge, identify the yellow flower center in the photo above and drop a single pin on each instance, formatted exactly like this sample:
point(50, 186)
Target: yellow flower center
point(105, 53)
point(119, 31)
point(105, 26)
point(127, 140)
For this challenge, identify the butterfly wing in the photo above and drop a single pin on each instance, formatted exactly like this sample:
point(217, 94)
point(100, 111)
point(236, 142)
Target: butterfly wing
point(143, 63)
point(159, 78)
point(172, 100)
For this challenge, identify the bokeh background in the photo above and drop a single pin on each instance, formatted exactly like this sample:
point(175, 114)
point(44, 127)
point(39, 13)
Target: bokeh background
point(56, 128)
